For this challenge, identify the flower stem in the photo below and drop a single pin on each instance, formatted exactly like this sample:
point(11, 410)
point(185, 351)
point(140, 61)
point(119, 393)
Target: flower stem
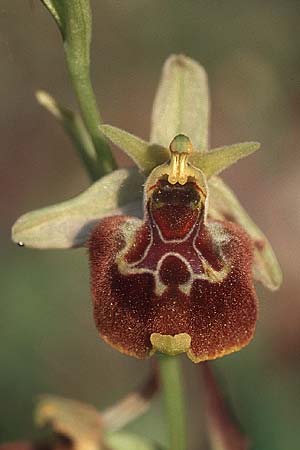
point(91, 116)
point(171, 383)
point(75, 21)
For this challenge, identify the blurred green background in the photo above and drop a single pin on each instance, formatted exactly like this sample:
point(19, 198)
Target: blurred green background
point(48, 341)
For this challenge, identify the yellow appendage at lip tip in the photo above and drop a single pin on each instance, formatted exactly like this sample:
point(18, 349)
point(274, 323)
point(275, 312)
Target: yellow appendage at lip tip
point(170, 345)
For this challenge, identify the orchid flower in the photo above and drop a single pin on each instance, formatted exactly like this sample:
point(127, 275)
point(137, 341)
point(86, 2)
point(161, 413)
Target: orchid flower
point(173, 254)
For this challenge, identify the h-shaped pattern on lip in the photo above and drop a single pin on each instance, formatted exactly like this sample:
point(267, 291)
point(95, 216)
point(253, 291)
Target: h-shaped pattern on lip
point(152, 257)
point(183, 251)
point(175, 275)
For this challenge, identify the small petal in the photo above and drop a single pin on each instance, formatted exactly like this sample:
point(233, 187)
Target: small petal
point(224, 205)
point(181, 105)
point(218, 159)
point(145, 155)
point(68, 224)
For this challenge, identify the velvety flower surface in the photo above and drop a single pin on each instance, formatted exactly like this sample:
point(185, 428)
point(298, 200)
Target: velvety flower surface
point(177, 272)
point(173, 264)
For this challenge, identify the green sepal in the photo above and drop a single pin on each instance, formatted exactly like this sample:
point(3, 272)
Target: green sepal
point(128, 441)
point(76, 130)
point(181, 104)
point(69, 223)
point(216, 160)
point(224, 205)
point(145, 155)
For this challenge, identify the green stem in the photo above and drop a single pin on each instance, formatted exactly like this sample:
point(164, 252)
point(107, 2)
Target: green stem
point(77, 132)
point(171, 384)
point(91, 116)
point(74, 20)
point(84, 145)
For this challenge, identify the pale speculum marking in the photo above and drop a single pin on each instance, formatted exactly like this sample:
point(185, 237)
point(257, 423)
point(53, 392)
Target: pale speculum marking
point(174, 219)
point(188, 263)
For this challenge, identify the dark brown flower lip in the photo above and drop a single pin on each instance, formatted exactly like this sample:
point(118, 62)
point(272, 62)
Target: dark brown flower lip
point(218, 318)
point(176, 281)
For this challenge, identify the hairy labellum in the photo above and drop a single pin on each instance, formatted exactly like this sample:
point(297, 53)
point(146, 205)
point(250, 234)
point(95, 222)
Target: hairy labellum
point(176, 281)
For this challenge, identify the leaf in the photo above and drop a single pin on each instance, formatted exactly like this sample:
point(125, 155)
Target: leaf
point(55, 9)
point(128, 441)
point(68, 224)
point(215, 161)
point(145, 155)
point(79, 422)
point(223, 204)
point(223, 430)
point(181, 105)
point(76, 130)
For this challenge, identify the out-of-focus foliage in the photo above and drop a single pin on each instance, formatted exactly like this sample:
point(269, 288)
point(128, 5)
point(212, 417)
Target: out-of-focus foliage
point(90, 429)
point(48, 341)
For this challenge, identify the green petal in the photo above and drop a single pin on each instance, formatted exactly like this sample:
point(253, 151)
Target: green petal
point(215, 161)
point(223, 204)
point(145, 155)
point(181, 105)
point(128, 441)
point(68, 224)
point(76, 130)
